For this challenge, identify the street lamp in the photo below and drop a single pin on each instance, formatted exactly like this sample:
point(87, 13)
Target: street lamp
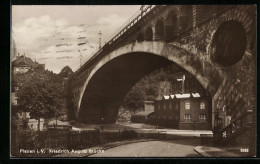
point(182, 80)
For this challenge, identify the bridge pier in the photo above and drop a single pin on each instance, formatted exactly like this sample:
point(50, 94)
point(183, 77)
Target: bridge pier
point(99, 114)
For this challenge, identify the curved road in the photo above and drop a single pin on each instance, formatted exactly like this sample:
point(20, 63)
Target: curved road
point(170, 148)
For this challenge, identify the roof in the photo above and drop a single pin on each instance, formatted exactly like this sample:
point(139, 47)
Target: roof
point(179, 96)
point(185, 95)
point(148, 101)
point(53, 122)
point(143, 113)
point(34, 120)
point(25, 61)
point(166, 97)
point(195, 94)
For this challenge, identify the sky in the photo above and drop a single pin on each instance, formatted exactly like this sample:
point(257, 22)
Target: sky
point(60, 36)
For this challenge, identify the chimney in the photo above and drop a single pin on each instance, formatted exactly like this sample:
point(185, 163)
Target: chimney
point(159, 93)
point(183, 89)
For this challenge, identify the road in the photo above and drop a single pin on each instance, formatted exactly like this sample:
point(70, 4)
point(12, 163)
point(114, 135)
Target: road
point(169, 148)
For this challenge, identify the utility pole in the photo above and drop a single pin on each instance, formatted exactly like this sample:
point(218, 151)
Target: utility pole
point(82, 43)
point(80, 60)
point(80, 55)
point(182, 86)
point(99, 34)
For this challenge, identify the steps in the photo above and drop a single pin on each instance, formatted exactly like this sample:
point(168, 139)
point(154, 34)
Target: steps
point(240, 131)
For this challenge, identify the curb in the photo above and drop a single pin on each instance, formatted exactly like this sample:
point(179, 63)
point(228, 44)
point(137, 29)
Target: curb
point(201, 152)
point(217, 152)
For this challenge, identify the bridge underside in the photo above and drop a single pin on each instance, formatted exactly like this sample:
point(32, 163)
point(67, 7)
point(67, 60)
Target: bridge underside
point(108, 87)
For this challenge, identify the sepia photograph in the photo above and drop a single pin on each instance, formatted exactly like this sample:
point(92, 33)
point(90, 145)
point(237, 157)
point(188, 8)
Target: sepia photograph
point(95, 81)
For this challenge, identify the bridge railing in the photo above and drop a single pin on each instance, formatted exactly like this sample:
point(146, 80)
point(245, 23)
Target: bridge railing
point(227, 132)
point(129, 23)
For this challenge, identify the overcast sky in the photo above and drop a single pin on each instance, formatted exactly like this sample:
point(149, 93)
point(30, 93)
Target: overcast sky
point(51, 34)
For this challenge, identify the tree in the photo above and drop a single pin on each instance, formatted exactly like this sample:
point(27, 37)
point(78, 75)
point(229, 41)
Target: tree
point(66, 72)
point(42, 95)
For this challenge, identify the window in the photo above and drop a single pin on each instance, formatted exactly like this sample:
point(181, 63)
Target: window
point(176, 117)
point(31, 125)
point(187, 105)
point(187, 117)
point(202, 105)
point(202, 118)
point(17, 69)
point(164, 105)
point(170, 105)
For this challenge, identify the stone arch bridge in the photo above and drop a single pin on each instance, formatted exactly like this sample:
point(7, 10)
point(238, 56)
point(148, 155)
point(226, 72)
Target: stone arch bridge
point(216, 44)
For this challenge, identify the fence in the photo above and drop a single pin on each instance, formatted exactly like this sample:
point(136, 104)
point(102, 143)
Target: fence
point(68, 140)
point(71, 139)
point(52, 139)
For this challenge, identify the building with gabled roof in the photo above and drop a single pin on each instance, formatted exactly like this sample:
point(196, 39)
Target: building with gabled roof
point(144, 115)
point(22, 64)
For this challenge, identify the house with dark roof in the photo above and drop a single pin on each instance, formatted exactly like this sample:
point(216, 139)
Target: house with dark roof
point(22, 64)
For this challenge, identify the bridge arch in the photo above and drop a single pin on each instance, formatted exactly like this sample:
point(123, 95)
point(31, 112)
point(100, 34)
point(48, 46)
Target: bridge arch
point(158, 53)
point(159, 30)
point(171, 26)
point(149, 34)
point(186, 17)
point(140, 37)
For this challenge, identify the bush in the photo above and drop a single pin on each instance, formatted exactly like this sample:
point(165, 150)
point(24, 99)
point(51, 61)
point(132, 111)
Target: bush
point(129, 134)
point(27, 140)
point(73, 122)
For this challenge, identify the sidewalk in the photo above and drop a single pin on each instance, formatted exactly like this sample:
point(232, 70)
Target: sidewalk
point(210, 151)
point(89, 151)
point(143, 128)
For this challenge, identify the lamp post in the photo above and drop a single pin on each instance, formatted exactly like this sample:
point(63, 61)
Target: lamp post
point(182, 86)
